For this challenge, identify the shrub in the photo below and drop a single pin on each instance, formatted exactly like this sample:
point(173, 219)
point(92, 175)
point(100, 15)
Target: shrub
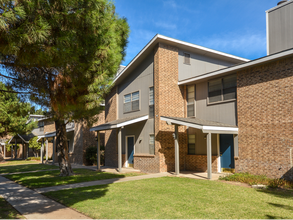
point(38, 158)
point(91, 155)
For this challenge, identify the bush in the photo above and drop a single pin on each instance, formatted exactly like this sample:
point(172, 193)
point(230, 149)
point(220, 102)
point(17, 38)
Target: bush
point(91, 155)
point(38, 158)
point(258, 179)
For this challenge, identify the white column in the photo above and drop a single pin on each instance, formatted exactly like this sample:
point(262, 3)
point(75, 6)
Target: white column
point(47, 147)
point(22, 150)
point(119, 151)
point(42, 151)
point(54, 151)
point(177, 169)
point(4, 150)
point(98, 151)
point(209, 155)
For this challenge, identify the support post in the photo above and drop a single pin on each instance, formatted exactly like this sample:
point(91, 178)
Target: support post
point(54, 151)
point(209, 155)
point(119, 151)
point(15, 153)
point(42, 151)
point(177, 169)
point(4, 151)
point(22, 150)
point(98, 151)
point(47, 147)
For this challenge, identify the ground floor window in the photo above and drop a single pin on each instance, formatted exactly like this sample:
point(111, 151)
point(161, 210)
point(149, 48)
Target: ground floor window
point(191, 144)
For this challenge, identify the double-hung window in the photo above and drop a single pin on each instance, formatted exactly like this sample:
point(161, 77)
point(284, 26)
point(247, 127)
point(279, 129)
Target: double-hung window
point(187, 58)
point(131, 102)
point(151, 102)
point(223, 89)
point(190, 100)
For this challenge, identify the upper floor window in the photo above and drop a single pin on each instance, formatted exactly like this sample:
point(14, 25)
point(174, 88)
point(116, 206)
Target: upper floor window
point(41, 125)
point(222, 89)
point(151, 102)
point(190, 100)
point(131, 102)
point(186, 58)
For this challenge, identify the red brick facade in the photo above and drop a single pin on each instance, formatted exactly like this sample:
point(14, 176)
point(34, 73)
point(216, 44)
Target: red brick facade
point(265, 113)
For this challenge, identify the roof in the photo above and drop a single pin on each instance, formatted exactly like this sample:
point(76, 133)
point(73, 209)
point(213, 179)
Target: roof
point(204, 125)
point(279, 6)
point(21, 138)
point(238, 67)
point(177, 43)
point(119, 123)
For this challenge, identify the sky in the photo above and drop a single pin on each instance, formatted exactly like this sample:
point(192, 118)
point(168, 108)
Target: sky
point(236, 27)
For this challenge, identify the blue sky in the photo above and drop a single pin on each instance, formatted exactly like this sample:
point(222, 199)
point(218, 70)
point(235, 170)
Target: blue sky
point(237, 27)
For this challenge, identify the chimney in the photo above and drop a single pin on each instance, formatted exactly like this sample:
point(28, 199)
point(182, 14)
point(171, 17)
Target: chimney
point(281, 2)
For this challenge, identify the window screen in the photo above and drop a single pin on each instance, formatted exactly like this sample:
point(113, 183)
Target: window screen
point(229, 87)
point(152, 144)
point(151, 102)
point(190, 100)
point(191, 144)
point(186, 58)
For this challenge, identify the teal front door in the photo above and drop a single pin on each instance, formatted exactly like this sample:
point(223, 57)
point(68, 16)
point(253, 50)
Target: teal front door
point(227, 151)
point(130, 150)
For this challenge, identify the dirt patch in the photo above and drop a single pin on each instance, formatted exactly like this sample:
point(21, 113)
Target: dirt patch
point(236, 183)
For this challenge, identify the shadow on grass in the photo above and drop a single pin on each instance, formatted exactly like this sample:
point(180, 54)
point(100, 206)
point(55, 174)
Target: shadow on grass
point(281, 193)
point(25, 168)
point(52, 178)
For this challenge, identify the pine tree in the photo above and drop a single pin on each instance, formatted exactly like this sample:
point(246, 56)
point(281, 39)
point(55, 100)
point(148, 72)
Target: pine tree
point(63, 54)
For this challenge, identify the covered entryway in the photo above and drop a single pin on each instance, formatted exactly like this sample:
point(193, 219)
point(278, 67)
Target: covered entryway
point(227, 152)
point(208, 128)
point(129, 139)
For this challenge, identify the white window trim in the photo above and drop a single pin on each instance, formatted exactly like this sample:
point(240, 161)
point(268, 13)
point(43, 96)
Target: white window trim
point(139, 101)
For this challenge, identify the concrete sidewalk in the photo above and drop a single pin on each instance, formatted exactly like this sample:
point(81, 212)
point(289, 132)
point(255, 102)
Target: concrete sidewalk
point(100, 182)
point(32, 205)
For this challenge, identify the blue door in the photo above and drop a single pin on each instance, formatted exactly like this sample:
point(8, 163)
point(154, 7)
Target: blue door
point(227, 151)
point(130, 150)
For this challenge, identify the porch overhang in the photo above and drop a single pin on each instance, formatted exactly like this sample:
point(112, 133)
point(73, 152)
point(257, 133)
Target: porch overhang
point(203, 125)
point(119, 123)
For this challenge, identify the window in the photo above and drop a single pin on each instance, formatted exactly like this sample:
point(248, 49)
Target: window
point(41, 125)
point(222, 89)
point(131, 102)
point(152, 144)
point(151, 102)
point(186, 58)
point(191, 144)
point(190, 100)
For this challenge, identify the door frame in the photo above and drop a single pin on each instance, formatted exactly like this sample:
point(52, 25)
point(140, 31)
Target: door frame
point(126, 148)
point(219, 156)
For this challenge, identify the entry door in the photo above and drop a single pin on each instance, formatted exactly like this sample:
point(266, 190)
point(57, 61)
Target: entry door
point(130, 150)
point(227, 151)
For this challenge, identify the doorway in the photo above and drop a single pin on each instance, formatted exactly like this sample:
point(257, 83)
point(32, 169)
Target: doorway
point(130, 140)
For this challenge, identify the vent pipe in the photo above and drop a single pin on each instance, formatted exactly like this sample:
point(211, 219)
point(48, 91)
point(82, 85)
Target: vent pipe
point(281, 2)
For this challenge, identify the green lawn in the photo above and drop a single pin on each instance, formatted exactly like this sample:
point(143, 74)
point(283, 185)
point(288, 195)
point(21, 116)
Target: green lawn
point(171, 197)
point(24, 168)
point(7, 211)
point(52, 178)
point(17, 162)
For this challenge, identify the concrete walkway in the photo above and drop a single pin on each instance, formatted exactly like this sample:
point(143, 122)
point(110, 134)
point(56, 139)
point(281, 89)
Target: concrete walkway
point(100, 182)
point(32, 205)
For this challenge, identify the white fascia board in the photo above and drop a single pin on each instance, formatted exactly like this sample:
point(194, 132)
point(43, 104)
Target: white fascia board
point(22, 139)
point(202, 48)
point(219, 130)
point(279, 6)
point(10, 140)
point(177, 122)
point(71, 129)
point(158, 36)
point(133, 121)
point(238, 67)
point(50, 135)
point(102, 128)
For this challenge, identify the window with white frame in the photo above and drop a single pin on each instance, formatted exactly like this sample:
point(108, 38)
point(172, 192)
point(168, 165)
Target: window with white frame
point(152, 144)
point(190, 93)
point(151, 102)
point(131, 102)
point(191, 144)
point(222, 89)
point(41, 125)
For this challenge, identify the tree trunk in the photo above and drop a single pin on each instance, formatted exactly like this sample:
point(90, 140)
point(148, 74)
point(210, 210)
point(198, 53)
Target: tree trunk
point(62, 149)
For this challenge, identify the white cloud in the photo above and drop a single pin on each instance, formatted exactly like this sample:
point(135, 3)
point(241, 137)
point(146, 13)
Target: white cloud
point(174, 5)
point(166, 25)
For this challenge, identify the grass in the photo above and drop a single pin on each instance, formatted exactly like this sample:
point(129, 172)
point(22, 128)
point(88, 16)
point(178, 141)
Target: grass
point(7, 211)
point(258, 179)
point(173, 197)
point(52, 178)
point(25, 168)
point(16, 162)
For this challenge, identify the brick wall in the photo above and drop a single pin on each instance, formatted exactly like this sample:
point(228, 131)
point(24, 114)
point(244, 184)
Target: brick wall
point(111, 156)
point(265, 119)
point(49, 126)
point(199, 163)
